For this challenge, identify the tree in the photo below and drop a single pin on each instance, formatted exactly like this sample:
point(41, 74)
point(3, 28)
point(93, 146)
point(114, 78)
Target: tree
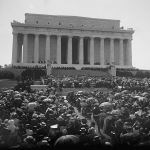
point(5, 66)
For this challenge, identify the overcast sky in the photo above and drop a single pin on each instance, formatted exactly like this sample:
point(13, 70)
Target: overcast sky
point(132, 14)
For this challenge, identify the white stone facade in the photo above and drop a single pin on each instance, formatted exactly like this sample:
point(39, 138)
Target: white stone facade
point(71, 41)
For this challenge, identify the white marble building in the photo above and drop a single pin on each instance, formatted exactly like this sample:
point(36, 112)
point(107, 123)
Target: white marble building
point(71, 41)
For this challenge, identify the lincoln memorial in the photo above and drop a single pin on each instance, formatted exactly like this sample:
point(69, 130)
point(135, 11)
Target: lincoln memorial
point(71, 41)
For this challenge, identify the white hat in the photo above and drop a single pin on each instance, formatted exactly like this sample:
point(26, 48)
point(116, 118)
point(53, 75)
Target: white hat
point(54, 126)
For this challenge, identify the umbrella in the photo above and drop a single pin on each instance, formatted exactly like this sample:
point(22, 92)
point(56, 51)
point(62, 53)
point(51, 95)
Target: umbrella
point(144, 94)
point(105, 104)
point(136, 97)
point(132, 116)
point(117, 94)
point(119, 87)
point(90, 99)
point(54, 126)
point(52, 96)
point(79, 93)
point(32, 105)
point(17, 95)
point(116, 112)
point(65, 101)
point(43, 97)
point(63, 97)
point(67, 140)
point(47, 100)
point(124, 91)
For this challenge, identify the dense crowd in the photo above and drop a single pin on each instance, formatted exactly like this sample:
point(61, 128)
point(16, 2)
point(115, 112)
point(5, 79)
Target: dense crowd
point(46, 119)
point(123, 83)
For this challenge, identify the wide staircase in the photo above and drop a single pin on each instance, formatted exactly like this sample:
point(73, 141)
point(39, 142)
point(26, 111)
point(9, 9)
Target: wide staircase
point(72, 72)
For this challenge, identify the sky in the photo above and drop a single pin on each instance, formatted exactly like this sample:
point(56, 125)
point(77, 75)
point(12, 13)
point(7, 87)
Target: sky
point(131, 13)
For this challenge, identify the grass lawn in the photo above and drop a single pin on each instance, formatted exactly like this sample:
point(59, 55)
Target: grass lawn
point(6, 83)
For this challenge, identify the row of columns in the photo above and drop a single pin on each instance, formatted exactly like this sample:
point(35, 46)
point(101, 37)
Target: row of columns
point(47, 55)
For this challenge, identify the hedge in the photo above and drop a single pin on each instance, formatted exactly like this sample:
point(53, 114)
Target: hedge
point(4, 74)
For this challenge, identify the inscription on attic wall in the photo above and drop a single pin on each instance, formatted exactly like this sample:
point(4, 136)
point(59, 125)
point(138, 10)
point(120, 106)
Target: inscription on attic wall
point(72, 21)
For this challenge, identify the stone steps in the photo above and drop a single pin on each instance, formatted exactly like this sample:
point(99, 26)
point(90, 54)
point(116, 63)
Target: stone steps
point(92, 73)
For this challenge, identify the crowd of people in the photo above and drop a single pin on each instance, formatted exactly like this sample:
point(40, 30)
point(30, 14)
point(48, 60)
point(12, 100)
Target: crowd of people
point(47, 119)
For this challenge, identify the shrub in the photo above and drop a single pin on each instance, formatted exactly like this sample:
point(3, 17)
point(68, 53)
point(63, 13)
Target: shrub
point(4, 74)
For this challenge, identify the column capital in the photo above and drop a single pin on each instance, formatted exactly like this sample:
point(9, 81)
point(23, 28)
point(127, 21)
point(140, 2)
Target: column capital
point(129, 39)
point(112, 38)
point(107, 37)
point(92, 37)
point(70, 36)
point(120, 38)
point(47, 34)
point(36, 35)
point(81, 36)
point(25, 33)
point(102, 37)
point(15, 33)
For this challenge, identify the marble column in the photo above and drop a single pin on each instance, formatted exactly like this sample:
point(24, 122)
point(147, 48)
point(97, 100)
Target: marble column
point(91, 51)
point(129, 53)
point(121, 57)
point(19, 49)
point(112, 51)
point(25, 48)
point(102, 51)
point(36, 48)
point(81, 51)
point(69, 50)
point(14, 48)
point(58, 49)
point(47, 55)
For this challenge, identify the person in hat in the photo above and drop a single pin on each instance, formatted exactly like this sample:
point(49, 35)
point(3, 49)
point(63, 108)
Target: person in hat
point(96, 112)
point(28, 142)
point(67, 142)
point(84, 124)
point(84, 138)
point(4, 132)
point(54, 133)
point(42, 131)
point(106, 125)
point(92, 133)
point(28, 131)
